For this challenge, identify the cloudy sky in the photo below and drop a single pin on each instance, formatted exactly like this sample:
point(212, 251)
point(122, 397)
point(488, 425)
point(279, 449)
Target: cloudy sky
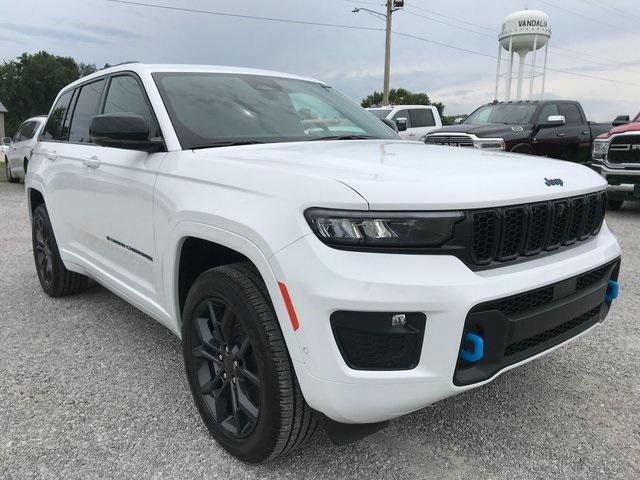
point(591, 38)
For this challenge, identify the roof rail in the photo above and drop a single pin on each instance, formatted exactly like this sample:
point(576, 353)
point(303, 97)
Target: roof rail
point(125, 63)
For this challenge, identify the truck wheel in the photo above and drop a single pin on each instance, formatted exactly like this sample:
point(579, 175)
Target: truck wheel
point(614, 204)
point(55, 279)
point(238, 368)
point(7, 171)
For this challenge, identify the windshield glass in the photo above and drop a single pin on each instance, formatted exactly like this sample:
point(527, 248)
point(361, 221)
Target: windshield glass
point(512, 114)
point(380, 112)
point(214, 109)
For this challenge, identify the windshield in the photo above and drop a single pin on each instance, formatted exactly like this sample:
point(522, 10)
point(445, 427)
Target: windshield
point(512, 114)
point(221, 109)
point(379, 112)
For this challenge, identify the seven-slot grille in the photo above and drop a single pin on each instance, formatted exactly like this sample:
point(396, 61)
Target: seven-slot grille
point(508, 233)
point(453, 140)
point(624, 149)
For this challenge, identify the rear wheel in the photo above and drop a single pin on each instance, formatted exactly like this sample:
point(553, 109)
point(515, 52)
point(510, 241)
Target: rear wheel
point(7, 171)
point(238, 367)
point(614, 204)
point(54, 278)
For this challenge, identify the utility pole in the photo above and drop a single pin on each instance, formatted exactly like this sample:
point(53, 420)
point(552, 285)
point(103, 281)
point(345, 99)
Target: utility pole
point(392, 6)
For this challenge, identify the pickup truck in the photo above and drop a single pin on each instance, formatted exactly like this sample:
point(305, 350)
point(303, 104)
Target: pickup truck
point(551, 128)
point(413, 122)
point(319, 269)
point(616, 156)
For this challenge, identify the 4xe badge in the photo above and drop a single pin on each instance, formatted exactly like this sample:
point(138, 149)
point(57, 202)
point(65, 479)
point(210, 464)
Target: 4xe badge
point(550, 182)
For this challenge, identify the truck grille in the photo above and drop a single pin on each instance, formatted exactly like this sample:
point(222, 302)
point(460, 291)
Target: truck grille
point(508, 233)
point(451, 140)
point(624, 149)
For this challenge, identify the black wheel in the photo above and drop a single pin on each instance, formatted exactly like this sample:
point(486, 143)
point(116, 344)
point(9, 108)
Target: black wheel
point(25, 165)
point(7, 171)
point(54, 278)
point(614, 204)
point(238, 367)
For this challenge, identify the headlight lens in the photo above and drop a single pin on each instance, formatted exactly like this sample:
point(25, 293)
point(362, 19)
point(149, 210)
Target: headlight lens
point(490, 144)
point(382, 229)
point(600, 149)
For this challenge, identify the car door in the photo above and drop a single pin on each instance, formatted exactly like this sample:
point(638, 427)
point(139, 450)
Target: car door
point(114, 192)
point(422, 122)
point(404, 114)
point(548, 142)
point(18, 148)
point(577, 138)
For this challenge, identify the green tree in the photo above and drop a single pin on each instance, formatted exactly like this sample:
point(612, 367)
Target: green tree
point(401, 96)
point(29, 84)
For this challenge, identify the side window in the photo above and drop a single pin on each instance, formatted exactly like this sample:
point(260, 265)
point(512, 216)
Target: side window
point(52, 128)
point(125, 95)
point(86, 108)
point(403, 114)
point(571, 114)
point(18, 136)
point(547, 111)
point(422, 117)
point(28, 130)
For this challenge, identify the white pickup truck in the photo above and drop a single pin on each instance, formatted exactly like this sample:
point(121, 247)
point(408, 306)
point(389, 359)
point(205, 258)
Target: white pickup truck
point(412, 121)
point(318, 268)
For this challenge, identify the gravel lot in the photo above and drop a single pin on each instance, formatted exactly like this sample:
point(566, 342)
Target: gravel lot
point(92, 388)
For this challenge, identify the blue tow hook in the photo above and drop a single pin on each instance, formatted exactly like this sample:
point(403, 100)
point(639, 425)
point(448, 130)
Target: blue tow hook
point(613, 289)
point(477, 343)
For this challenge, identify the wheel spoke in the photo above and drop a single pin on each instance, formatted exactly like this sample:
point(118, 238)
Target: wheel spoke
point(202, 352)
point(210, 386)
point(245, 404)
point(235, 406)
point(250, 376)
point(243, 348)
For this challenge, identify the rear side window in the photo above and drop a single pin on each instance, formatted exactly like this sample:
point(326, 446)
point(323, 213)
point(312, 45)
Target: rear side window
point(86, 108)
point(422, 117)
point(403, 114)
point(571, 114)
point(54, 123)
point(125, 95)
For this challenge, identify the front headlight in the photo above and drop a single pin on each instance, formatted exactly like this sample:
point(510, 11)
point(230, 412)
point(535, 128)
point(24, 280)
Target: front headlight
point(347, 228)
point(600, 149)
point(490, 144)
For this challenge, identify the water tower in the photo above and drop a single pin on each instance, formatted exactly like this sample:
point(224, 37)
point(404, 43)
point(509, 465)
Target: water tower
point(523, 33)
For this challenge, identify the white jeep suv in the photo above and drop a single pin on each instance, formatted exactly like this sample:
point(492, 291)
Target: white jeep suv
point(317, 267)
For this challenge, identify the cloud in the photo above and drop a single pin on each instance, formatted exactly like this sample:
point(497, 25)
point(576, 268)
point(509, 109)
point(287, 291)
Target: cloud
point(63, 35)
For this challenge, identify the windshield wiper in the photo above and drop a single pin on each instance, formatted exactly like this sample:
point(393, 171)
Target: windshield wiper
point(226, 143)
point(342, 137)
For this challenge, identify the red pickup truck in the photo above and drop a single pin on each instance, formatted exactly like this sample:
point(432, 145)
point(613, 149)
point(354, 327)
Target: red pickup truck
point(616, 156)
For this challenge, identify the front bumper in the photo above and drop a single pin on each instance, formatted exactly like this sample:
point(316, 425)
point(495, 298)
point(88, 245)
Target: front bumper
point(624, 183)
point(322, 281)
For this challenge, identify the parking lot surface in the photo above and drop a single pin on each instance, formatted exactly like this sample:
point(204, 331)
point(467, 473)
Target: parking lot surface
point(92, 388)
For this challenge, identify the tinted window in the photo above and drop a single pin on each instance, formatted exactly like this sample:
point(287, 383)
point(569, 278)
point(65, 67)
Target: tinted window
point(547, 111)
point(125, 95)
point(85, 109)
point(509, 113)
point(52, 129)
point(214, 108)
point(571, 114)
point(403, 114)
point(380, 112)
point(28, 130)
point(422, 117)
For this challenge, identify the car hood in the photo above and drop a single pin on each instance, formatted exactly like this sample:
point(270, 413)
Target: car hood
point(627, 127)
point(483, 131)
point(406, 175)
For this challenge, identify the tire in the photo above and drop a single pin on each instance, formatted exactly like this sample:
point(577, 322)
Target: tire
point(7, 171)
point(55, 279)
point(25, 165)
point(235, 354)
point(614, 204)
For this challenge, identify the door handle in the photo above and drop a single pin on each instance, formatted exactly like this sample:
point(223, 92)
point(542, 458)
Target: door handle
point(53, 156)
point(91, 162)
point(584, 133)
point(562, 135)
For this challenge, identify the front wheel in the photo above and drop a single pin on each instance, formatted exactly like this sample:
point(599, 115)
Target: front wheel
point(614, 204)
point(238, 368)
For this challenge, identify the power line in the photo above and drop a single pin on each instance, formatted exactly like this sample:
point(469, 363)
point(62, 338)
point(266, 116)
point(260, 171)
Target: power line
point(617, 10)
point(579, 14)
point(352, 27)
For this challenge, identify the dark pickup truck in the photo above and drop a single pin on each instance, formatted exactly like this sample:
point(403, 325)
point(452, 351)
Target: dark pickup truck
point(552, 128)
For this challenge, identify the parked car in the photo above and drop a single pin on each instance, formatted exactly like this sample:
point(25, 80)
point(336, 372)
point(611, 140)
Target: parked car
point(616, 156)
point(413, 121)
point(324, 273)
point(551, 128)
point(18, 153)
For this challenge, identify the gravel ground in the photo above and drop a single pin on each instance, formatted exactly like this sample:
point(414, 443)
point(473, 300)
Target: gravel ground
point(92, 388)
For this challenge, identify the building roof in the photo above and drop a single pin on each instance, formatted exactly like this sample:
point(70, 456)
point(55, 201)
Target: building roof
point(3, 108)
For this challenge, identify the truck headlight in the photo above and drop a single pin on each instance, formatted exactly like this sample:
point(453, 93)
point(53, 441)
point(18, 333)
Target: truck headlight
point(347, 228)
point(600, 149)
point(490, 144)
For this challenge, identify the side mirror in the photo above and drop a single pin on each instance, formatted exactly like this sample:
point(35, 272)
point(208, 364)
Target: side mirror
point(123, 130)
point(6, 141)
point(621, 120)
point(458, 121)
point(401, 123)
point(553, 121)
point(390, 123)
